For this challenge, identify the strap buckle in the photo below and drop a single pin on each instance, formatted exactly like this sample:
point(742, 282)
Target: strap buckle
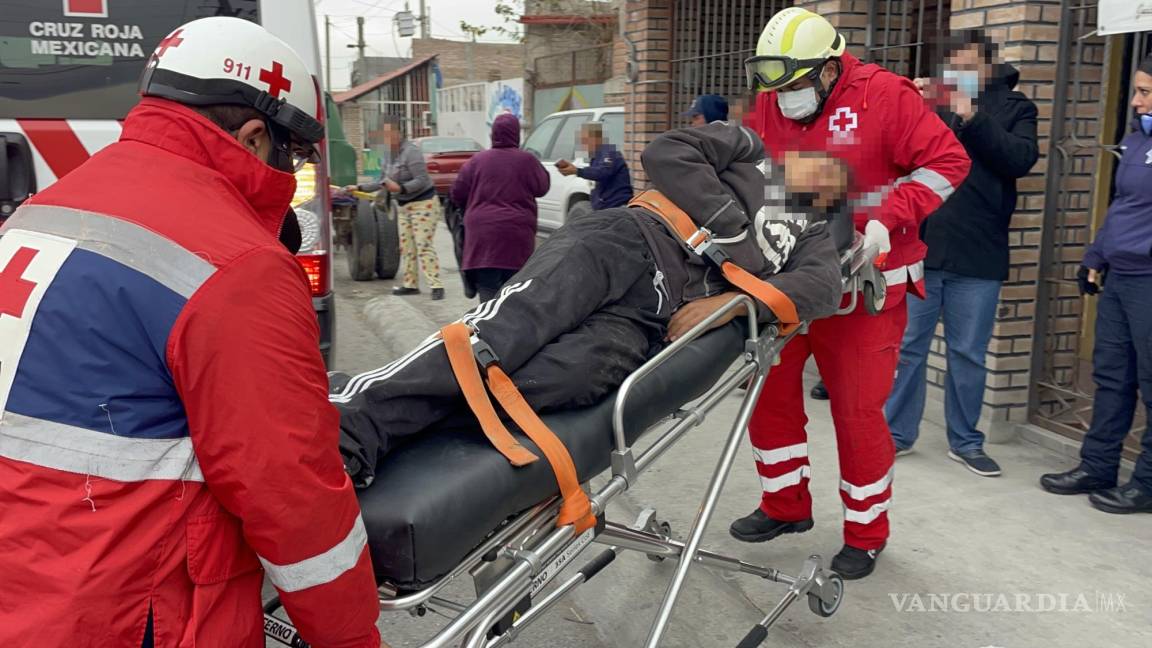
point(702, 243)
point(484, 354)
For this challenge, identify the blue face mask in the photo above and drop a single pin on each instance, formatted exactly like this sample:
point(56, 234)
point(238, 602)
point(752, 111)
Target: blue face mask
point(1146, 124)
point(966, 81)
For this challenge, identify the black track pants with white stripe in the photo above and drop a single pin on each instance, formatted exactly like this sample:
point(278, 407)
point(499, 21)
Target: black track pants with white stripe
point(582, 314)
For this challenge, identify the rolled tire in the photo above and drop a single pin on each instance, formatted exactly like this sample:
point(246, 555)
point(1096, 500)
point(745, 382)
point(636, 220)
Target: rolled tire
point(362, 251)
point(387, 243)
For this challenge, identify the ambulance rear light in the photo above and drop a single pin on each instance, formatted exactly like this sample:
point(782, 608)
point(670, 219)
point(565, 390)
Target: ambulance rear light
point(316, 267)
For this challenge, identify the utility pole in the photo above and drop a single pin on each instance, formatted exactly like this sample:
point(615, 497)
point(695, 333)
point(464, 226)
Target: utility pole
point(327, 53)
point(360, 44)
point(425, 20)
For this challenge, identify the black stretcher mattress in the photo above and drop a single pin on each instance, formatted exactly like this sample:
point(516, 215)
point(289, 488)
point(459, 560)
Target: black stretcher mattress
point(436, 497)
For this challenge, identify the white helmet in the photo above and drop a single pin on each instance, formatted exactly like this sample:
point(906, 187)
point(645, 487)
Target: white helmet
point(231, 61)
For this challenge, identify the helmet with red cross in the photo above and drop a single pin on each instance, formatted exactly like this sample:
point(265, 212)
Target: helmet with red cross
point(229, 61)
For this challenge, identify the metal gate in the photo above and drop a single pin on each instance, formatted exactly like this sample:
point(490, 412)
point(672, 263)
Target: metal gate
point(710, 40)
point(1089, 116)
point(905, 36)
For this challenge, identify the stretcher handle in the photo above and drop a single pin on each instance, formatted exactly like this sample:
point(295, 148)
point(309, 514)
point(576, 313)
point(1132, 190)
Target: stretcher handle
point(755, 637)
point(671, 350)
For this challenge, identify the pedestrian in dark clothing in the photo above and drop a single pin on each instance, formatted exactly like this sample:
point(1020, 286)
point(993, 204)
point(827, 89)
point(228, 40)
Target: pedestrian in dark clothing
point(967, 242)
point(498, 189)
point(1122, 359)
point(707, 109)
point(606, 168)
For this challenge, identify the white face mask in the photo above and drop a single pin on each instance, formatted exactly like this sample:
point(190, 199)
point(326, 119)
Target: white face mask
point(798, 104)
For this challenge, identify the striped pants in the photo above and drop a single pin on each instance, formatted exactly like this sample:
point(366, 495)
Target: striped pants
point(580, 316)
point(857, 356)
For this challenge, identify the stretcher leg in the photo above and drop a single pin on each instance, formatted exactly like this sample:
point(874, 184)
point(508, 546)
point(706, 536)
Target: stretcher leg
point(708, 506)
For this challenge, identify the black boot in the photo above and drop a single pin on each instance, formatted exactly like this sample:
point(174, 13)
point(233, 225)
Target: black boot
point(437, 294)
point(819, 392)
point(1122, 499)
point(1073, 482)
point(852, 563)
point(758, 527)
point(403, 291)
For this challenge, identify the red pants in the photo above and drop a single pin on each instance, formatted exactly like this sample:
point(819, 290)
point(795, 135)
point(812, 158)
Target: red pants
point(857, 356)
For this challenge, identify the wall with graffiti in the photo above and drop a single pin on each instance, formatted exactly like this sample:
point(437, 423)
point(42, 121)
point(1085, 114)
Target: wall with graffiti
point(550, 100)
point(467, 110)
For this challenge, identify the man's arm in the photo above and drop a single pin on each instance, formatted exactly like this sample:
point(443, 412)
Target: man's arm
point(245, 360)
point(413, 159)
point(685, 164)
point(600, 169)
point(1010, 153)
point(921, 143)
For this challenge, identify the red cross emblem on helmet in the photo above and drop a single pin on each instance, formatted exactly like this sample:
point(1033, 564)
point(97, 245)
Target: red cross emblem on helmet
point(276, 80)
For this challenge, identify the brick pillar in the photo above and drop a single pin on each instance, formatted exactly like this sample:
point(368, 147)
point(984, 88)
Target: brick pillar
point(648, 23)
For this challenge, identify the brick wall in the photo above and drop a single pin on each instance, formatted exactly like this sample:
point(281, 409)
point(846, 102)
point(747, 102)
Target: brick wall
point(465, 61)
point(352, 119)
point(648, 24)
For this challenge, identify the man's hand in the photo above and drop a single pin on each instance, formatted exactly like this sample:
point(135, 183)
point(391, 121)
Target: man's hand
point(962, 105)
point(392, 186)
point(566, 168)
point(922, 85)
point(1088, 279)
point(697, 311)
point(348, 189)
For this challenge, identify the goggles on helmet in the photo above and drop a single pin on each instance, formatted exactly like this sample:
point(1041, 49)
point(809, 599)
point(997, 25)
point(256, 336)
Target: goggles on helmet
point(765, 73)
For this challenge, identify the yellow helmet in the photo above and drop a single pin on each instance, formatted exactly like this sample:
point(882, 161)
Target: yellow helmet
point(792, 45)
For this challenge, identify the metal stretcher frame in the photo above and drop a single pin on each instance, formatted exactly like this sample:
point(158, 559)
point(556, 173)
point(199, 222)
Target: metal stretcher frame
point(529, 551)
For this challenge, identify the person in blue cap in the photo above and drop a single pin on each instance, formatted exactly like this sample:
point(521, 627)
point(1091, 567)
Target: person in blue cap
point(707, 109)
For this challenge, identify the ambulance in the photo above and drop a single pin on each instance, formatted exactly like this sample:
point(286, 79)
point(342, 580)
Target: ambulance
point(68, 74)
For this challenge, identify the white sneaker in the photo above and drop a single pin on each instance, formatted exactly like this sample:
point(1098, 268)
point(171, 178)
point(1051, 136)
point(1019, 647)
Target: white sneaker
point(900, 452)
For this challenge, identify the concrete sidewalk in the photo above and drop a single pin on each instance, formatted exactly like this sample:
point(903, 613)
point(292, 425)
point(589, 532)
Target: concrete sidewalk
point(972, 563)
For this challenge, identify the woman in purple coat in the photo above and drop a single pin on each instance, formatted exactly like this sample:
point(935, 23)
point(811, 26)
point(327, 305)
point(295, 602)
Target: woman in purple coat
point(497, 189)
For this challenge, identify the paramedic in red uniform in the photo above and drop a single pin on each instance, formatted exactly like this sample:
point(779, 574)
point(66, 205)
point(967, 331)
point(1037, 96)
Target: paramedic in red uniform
point(906, 162)
point(165, 435)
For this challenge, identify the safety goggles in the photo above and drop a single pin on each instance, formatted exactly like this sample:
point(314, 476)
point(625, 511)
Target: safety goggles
point(772, 72)
point(302, 154)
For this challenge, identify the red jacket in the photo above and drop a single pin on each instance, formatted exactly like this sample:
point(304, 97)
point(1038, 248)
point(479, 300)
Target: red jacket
point(165, 433)
point(905, 160)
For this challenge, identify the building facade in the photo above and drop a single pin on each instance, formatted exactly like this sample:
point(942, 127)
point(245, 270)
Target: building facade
point(1039, 359)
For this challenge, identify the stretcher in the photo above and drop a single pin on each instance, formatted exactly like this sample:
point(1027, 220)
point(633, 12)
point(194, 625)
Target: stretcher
point(447, 505)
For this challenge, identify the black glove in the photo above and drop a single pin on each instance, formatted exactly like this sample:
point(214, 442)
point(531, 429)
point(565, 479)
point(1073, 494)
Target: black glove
point(1087, 287)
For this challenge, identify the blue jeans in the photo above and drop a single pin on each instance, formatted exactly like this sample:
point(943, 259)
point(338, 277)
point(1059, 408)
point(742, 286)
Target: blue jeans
point(1121, 366)
point(969, 309)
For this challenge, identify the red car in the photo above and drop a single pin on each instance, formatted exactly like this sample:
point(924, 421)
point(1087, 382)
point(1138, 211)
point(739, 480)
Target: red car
point(445, 156)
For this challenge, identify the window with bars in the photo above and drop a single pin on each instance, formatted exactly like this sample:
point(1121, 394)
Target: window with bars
point(710, 40)
point(906, 36)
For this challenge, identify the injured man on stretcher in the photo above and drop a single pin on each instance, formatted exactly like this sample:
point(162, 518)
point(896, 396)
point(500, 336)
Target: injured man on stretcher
point(610, 288)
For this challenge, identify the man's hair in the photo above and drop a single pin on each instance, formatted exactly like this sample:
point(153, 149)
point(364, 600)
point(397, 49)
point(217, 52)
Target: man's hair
point(229, 117)
point(595, 129)
point(965, 38)
point(1145, 65)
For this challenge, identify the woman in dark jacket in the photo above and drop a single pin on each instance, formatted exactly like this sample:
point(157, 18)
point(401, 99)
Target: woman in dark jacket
point(498, 189)
point(1122, 357)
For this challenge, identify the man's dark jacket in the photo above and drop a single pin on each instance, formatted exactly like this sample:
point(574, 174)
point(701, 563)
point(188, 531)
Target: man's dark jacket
point(968, 235)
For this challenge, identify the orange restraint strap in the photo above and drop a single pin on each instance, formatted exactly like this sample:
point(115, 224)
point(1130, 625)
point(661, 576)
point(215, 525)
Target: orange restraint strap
point(699, 239)
point(576, 509)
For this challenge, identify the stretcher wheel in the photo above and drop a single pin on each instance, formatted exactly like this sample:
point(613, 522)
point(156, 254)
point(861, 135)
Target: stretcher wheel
point(873, 302)
point(664, 529)
point(825, 609)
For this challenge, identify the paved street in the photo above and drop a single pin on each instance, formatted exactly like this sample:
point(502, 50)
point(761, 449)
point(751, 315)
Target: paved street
point(963, 548)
